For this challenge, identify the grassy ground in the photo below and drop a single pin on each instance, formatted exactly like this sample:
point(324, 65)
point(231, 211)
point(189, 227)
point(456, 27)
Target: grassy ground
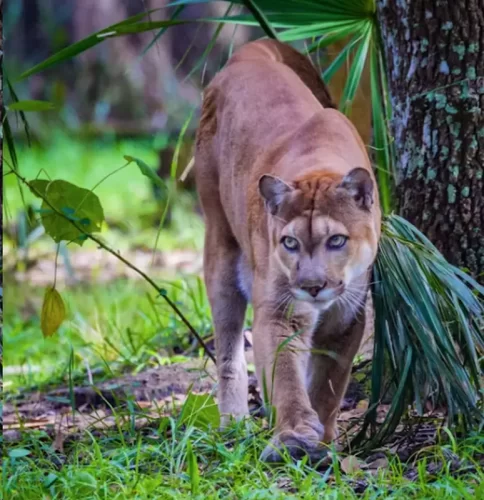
point(174, 461)
point(122, 319)
point(121, 326)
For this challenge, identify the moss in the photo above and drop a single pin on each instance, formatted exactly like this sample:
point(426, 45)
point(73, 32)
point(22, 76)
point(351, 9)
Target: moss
point(465, 91)
point(440, 101)
point(451, 193)
point(465, 191)
point(471, 73)
point(444, 152)
point(424, 43)
point(450, 109)
point(473, 48)
point(460, 50)
point(454, 171)
point(431, 174)
point(456, 71)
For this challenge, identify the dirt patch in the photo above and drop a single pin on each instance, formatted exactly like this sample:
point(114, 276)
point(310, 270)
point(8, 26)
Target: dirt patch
point(157, 391)
point(88, 266)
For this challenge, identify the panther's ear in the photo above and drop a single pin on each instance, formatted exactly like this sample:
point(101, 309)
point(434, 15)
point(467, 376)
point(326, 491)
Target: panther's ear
point(359, 184)
point(273, 190)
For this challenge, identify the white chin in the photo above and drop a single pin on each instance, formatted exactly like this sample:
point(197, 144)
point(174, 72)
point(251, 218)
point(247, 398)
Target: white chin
point(320, 305)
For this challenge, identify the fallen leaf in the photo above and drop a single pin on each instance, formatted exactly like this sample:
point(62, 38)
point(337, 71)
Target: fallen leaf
point(346, 416)
point(33, 424)
point(58, 444)
point(376, 465)
point(350, 464)
point(144, 404)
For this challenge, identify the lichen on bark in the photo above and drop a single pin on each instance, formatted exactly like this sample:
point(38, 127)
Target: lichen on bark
point(434, 51)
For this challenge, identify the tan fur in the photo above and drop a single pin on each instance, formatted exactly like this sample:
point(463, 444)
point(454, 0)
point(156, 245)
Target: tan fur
point(274, 159)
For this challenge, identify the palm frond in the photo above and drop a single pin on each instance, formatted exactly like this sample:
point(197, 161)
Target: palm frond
point(383, 156)
point(429, 332)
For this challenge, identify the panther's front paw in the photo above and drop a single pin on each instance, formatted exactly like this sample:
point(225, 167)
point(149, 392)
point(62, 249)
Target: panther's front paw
point(301, 441)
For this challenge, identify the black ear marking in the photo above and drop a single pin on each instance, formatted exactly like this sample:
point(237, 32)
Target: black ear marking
point(273, 190)
point(359, 184)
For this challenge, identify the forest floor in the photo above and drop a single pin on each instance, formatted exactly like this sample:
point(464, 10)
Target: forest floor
point(128, 416)
point(120, 403)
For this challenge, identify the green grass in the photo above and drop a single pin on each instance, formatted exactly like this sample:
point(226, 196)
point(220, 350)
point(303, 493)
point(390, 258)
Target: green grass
point(117, 325)
point(120, 322)
point(172, 461)
point(130, 208)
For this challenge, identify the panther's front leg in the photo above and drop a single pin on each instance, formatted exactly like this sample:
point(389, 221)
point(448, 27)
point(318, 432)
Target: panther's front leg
point(281, 370)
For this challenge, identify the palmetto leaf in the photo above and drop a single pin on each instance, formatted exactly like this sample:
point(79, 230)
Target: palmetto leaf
point(429, 330)
point(382, 152)
point(356, 70)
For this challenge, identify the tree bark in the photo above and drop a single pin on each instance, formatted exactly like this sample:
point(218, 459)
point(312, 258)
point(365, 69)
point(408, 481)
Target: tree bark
point(434, 51)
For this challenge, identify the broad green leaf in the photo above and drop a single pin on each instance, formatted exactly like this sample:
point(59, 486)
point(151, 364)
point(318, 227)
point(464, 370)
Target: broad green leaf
point(147, 171)
point(49, 479)
point(193, 471)
point(53, 312)
point(31, 105)
point(39, 187)
point(68, 212)
point(201, 411)
point(18, 453)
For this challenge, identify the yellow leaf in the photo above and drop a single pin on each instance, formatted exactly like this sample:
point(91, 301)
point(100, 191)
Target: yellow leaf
point(53, 312)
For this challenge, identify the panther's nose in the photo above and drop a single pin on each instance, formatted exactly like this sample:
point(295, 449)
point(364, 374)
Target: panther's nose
point(313, 290)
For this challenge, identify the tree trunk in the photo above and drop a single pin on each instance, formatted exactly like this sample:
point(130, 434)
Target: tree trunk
point(434, 50)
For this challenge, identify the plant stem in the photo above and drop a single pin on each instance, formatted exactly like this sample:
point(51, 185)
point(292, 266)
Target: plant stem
point(159, 290)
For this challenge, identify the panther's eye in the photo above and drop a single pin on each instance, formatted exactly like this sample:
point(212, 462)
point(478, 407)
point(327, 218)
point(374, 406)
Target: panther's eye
point(290, 243)
point(337, 241)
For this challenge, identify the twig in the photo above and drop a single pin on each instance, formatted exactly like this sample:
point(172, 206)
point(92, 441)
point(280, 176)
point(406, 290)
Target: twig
point(159, 290)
